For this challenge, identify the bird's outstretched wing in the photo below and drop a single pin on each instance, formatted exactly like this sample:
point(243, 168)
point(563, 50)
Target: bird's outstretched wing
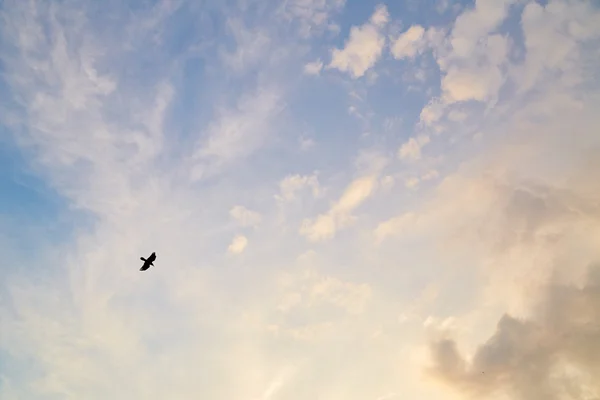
point(152, 257)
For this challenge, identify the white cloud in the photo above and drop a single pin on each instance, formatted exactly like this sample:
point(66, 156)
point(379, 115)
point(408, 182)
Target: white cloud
point(357, 192)
point(411, 150)
point(457, 116)
point(472, 59)
point(313, 68)
point(395, 226)
point(431, 113)
point(244, 216)
point(326, 225)
point(238, 244)
point(363, 47)
point(253, 45)
point(236, 133)
point(381, 16)
point(410, 43)
point(476, 23)
point(322, 228)
point(481, 81)
point(291, 184)
point(553, 34)
point(462, 85)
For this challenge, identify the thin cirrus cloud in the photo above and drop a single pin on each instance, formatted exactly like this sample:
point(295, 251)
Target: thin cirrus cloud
point(411, 255)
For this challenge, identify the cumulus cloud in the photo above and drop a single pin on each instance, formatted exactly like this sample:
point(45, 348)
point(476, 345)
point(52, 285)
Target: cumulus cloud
point(364, 46)
point(409, 43)
point(477, 23)
point(238, 244)
point(474, 84)
point(432, 112)
point(411, 150)
point(553, 34)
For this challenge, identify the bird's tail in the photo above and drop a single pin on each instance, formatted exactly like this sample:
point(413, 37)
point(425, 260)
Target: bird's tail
point(142, 258)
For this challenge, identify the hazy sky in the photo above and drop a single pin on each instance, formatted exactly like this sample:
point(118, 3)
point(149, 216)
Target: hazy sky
point(349, 200)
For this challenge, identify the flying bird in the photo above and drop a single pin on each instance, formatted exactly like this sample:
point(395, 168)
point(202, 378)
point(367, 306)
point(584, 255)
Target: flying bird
point(148, 262)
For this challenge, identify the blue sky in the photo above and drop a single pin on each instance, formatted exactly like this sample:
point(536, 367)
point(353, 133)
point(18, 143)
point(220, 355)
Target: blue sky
point(348, 199)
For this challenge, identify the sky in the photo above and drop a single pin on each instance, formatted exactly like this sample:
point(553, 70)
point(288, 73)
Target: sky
point(348, 199)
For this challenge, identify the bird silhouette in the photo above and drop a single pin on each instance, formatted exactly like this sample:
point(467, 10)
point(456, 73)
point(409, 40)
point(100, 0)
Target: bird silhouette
point(148, 262)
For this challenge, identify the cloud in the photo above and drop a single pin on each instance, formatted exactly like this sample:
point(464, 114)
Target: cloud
point(309, 288)
point(553, 34)
point(477, 23)
point(480, 81)
point(371, 162)
point(244, 216)
point(412, 183)
point(313, 68)
point(291, 184)
point(410, 43)
point(512, 217)
point(552, 355)
point(431, 113)
point(381, 16)
point(252, 46)
point(326, 225)
point(357, 192)
point(472, 58)
point(238, 244)
point(236, 133)
point(322, 228)
point(313, 16)
point(463, 85)
point(411, 150)
point(363, 47)
point(115, 108)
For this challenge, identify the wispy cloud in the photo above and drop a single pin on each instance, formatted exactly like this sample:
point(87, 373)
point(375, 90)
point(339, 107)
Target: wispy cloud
point(316, 216)
point(236, 133)
point(339, 215)
point(244, 216)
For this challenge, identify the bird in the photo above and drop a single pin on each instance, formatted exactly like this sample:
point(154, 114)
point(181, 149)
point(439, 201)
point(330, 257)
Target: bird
point(148, 262)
